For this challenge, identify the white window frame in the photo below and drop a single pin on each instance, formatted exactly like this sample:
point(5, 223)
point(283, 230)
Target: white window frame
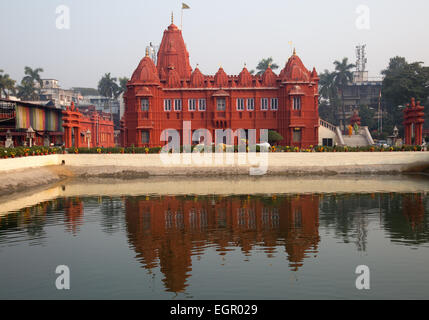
point(217, 104)
point(141, 104)
point(167, 105)
point(274, 104)
point(250, 104)
point(240, 104)
point(202, 105)
point(177, 105)
point(264, 104)
point(296, 103)
point(192, 104)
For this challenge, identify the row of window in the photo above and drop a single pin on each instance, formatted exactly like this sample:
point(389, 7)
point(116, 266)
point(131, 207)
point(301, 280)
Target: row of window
point(241, 104)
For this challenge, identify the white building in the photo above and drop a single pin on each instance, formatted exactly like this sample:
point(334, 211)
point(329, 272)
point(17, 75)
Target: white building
point(52, 91)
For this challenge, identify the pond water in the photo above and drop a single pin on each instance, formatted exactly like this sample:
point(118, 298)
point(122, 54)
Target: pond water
point(218, 246)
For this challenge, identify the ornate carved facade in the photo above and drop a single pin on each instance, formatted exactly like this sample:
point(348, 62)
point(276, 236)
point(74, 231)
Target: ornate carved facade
point(413, 123)
point(164, 96)
point(91, 129)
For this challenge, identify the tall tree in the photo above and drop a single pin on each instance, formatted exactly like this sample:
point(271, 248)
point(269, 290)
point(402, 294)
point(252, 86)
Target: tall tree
point(264, 64)
point(7, 85)
point(403, 81)
point(329, 100)
point(343, 76)
point(33, 75)
point(27, 91)
point(108, 87)
point(123, 85)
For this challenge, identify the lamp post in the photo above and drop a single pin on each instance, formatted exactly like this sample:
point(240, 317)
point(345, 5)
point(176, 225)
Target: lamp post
point(88, 137)
point(9, 142)
point(30, 135)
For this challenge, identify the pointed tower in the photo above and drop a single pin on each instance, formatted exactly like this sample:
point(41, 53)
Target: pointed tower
point(245, 79)
point(197, 79)
point(173, 52)
point(221, 78)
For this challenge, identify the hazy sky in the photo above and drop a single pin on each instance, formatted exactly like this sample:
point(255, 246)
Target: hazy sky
point(111, 35)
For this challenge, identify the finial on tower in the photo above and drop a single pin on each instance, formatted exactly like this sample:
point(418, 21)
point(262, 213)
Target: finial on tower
point(147, 52)
point(172, 17)
point(294, 51)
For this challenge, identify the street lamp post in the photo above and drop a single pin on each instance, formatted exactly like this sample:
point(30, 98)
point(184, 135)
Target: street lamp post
point(9, 141)
point(30, 135)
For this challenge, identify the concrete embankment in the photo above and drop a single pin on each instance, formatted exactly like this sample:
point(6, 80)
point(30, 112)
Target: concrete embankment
point(31, 172)
point(200, 186)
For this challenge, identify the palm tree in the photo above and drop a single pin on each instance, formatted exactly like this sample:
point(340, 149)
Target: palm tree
point(343, 76)
point(7, 85)
point(33, 75)
point(27, 91)
point(264, 64)
point(327, 86)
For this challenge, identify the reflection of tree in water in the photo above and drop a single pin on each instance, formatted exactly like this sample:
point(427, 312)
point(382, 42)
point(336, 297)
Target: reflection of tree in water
point(402, 215)
point(347, 215)
point(407, 220)
point(31, 220)
point(112, 219)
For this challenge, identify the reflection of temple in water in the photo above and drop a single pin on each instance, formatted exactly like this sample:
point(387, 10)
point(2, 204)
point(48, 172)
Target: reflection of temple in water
point(73, 214)
point(414, 209)
point(170, 230)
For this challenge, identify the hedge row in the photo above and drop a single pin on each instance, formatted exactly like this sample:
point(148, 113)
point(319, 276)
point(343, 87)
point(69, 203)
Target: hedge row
point(225, 148)
point(38, 151)
point(27, 151)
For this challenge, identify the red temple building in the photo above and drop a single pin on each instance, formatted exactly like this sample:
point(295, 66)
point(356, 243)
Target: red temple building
point(90, 129)
point(413, 123)
point(164, 96)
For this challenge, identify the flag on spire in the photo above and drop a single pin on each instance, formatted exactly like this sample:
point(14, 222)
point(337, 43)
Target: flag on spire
point(185, 6)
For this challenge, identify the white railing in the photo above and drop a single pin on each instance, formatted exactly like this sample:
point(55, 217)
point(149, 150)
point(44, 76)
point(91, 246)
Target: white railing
point(327, 125)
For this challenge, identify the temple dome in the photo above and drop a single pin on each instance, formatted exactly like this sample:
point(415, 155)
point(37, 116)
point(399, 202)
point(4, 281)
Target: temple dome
point(295, 70)
point(146, 72)
point(172, 51)
point(245, 79)
point(269, 78)
point(197, 79)
point(221, 78)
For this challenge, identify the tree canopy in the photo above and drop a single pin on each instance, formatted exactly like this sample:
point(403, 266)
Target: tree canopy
point(264, 64)
point(7, 85)
point(403, 81)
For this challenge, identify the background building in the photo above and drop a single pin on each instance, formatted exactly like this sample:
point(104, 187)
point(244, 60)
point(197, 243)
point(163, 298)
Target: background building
point(51, 91)
point(22, 121)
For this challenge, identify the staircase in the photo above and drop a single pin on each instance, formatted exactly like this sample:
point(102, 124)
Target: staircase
point(362, 139)
point(355, 141)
